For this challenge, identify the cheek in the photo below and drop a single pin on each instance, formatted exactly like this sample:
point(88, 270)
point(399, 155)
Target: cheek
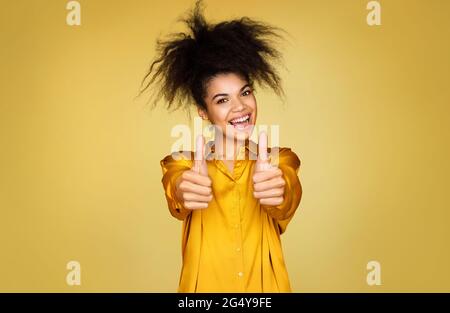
point(252, 103)
point(219, 115)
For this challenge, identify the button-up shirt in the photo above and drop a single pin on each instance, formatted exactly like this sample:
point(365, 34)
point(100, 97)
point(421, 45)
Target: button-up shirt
point(234, 244)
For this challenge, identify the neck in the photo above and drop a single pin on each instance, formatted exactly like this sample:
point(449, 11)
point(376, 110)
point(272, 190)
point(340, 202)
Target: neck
point(228, 148)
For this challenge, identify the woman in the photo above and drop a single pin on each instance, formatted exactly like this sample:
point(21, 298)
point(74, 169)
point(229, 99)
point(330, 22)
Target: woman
point(235, 208)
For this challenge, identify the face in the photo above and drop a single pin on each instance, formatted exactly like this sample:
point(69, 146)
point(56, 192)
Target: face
point(231, 106)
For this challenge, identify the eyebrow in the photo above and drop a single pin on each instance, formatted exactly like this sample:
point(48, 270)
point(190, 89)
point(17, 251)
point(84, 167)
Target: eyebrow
point(225, 94)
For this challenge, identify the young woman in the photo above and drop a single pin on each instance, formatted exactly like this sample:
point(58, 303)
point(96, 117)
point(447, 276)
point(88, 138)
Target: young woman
point(235, 208)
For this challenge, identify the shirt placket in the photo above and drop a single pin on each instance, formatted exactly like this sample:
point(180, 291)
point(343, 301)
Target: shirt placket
point(235, 223)
point(241, 275)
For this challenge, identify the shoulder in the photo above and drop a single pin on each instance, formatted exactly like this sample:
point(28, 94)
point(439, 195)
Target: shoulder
point(284, 156)
point(179, 159)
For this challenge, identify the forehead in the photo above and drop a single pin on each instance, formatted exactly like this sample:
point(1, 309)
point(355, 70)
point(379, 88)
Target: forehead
point(225, 83)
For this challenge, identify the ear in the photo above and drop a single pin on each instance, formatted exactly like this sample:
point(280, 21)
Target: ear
point(202, 113)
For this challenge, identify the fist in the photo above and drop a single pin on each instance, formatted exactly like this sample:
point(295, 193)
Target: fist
point(193, 187)
point(268, 181)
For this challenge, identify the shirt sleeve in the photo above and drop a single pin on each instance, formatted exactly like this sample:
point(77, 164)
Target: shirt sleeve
point(172, 167)
point(289, 163)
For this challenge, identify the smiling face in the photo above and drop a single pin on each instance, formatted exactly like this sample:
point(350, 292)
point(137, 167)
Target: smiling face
point(231, 105)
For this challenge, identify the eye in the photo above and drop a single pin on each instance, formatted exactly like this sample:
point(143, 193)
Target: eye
point(247, 92)
point(221, 100)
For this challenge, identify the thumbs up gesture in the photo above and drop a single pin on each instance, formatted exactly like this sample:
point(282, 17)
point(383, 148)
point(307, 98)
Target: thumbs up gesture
point(193, 187)
point(268, 181)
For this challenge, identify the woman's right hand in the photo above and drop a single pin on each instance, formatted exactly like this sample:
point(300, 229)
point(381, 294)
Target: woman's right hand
point(193, 187)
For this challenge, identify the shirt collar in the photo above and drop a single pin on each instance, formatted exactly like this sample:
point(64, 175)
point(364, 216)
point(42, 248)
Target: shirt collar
point(249, 147)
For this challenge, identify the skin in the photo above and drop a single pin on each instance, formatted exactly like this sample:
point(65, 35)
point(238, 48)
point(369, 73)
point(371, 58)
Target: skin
point(228, 97)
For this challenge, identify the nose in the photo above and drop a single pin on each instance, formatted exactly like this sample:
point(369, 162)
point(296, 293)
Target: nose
point(238, 105)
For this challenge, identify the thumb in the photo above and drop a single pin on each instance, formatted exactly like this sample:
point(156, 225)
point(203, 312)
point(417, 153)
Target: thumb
point(263, 159)
point(199, 151)
point(262, 148)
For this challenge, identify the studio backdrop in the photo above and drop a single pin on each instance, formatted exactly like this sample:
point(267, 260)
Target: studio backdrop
point(82, 208)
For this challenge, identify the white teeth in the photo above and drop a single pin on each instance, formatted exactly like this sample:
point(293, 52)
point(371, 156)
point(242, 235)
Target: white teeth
point(241, 119)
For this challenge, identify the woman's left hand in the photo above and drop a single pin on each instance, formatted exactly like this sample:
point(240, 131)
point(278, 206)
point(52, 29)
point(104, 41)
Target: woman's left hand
point(268, 181)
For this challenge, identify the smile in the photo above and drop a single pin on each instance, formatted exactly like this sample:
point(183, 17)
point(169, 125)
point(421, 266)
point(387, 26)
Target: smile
point(240, 122)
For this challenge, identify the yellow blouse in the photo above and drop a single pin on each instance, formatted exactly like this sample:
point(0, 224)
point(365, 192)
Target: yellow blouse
point(234, 244)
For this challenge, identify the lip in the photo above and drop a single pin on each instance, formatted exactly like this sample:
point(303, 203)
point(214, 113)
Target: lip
point(245, 114)
point(242, 126)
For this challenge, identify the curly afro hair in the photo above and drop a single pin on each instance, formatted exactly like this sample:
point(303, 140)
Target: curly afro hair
point(186, 62)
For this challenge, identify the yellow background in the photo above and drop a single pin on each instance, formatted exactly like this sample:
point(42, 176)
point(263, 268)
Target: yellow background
point(367, 112)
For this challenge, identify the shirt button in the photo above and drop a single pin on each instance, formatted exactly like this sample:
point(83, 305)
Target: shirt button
point(238, 249)
point(240, 274)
